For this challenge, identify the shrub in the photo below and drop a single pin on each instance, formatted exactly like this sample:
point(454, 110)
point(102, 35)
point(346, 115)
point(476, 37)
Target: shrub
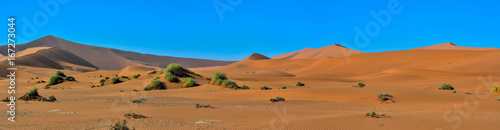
point(277, 99)
point(54, 80)
point(218, 82)
point(498, 99)
point(123, 76)
point(446, 87)
point(495, 89)
point(175, 69)
point(188, 82)
point(283, 87)
point(60, 73)
point(155, 85)
point(134, 115)
point(265, 88)
point(52, 98)
point(70, 78)
point(100, 75)
point(384, 97)
point(361, 84)
point(120, 126)
point(171, 77)
point(371, 114)
point(115, 80)
point(467, 92)
point(42, 81)
point(244, 87)
point(106, 77)
point(216, 76)
point(300, 84)
point(229, 84)
point(203, 106)
point(136, 76)
point(454, 92)
point(33, 93)
point(102, 80)
point(6, 99)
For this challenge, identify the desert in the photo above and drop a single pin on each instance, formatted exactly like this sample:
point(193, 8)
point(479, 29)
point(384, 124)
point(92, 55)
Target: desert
point(443, 86)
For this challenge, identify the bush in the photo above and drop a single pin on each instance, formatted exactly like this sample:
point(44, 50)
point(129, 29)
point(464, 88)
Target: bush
point(52, 98)
point(115, 80)
point(203, 106)
point(70, 78)
point(384, 97)
point(361, 84)
point(495, 89)
point(134, 115)
point(102, 80)
point(498, 99)
point(265, 88)
point(106, 77)
point(60, 73)
point(171, 77)
point(454, 92)
point(371, 114)
point(175, 69)
point(216, 76)
point(120, 126)
point(244, 87)
point(33, 93)
point(54, 80)
point(123, 76)
point(229, 84)
point(467, 92)
point(136, 76)
point(188, 82)
point(300, 84)
point(446, 87)
point(155, 85)
point(100, 75)
point(277, 99)
point(283, 87)
point(6, 99)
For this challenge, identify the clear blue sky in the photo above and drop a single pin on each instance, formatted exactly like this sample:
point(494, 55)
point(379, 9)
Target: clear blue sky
point(193, 28)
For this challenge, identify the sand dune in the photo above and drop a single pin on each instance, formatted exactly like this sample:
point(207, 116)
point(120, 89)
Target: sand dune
point(451, 46)
point(331, 51)
point(113, 59)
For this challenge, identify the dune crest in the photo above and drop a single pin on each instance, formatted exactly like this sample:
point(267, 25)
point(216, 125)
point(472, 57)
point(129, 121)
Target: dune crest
point(451, 46)
point(331, 51)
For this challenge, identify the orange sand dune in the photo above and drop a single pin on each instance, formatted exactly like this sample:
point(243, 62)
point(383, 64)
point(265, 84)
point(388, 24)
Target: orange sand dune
point(451, 46)
point(331, 51)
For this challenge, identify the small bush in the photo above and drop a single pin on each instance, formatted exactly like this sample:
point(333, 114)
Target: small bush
point(138, 100)
point(120, 126)
point(106, 77)
point(175, 69)
point(244, 87)
point(229, 84)
point(361, 84)
point(100, 75)
point(60, 73)
point(216, 76)
point(498, 99)
point(384, 97)
point(467, 92)
point(446, 87)
point(6, 99)
point(52, 98)
point(155, 85)
point(203, 106)
point(54, 80)
point(171, 77)
point(283, 87)
point(265, 88)
point(371, 114)
point(495, 89)
point(277, 99)
point(70, 78)
point(123, 76)
point(136, 76)
point(134, 115)
point(115, 80)
point(454, 92)
point(33, 93)
point(300, 84)
point(188, 82)
point(102, 80)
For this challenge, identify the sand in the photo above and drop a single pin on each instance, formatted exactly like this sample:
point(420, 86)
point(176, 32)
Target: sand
point(327, 101)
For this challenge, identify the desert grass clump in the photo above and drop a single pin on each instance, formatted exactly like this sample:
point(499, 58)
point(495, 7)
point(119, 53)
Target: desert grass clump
point(120, 126)
point(155, 85)
point(52, 98)
point(454, 91)
point(495, 89)
point(70, 78)
point(203, 106)
point(265, 88)
point(6, 99)
point(371, 114)
point(55, 79)
point(300, 84)
point(229, 84)
point(244, 87)
point(218, 76)
point(60, 73)
point(445, 86)
point(466, 92)
point(277, 99)
point(175, 69)
point(384, 97)
point(100, 75)
point(134, 115)
point(136, 76)
point(498, 98)
point(126, 77)
point(283, 87)
point(171, 77)
point(361, 84)
point(115, 80)
point(188, 82)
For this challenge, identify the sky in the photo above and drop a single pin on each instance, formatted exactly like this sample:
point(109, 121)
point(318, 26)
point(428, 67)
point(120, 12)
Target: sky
point(234, 29)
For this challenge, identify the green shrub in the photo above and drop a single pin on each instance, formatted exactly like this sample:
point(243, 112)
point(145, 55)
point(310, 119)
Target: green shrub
point(6, 99)
point(495, 89)
point(229, 84)
point(454, 92)
point(100, 75)
point(120, 126)
point(283, 87)
point(136, 76)
point(265, 88)
point(467, 92)
point(446, 87)
point(218, 82)
point(300, 84)
point(33, 93)
point(54, 80)
point(216, 76)
point(175, 69)
point(115, 80)
point(371, 114)
point(498, 99)
point(188, 82)
point(384, 97)
point(361, 84)
point(155, 85)
point(171, 77)
point(70, 78)
point(106, 77)
point(52, 98)
point(244, 87)
point(123, 76)
point(102, 80)
point(277, 99)
point(60, 73)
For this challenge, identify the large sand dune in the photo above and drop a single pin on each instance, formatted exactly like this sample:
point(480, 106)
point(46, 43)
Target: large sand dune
point(331, 51)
